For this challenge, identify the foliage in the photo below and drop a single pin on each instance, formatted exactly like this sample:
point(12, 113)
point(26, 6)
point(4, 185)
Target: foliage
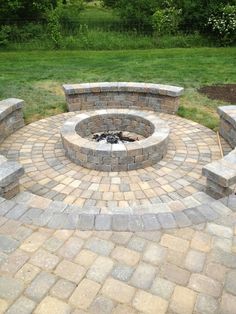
point(166, 21)
point(110, 3)
point(69, 14)
point(195, 14)
point(24, 10)
point(223, 25)
point(54, 28)
point(137, 13)
point(4, 35)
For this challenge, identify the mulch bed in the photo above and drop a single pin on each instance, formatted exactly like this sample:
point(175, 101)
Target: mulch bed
point(225, 92)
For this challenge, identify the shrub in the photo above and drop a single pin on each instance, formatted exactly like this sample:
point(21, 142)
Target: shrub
point(223, 25)
point(137, 13)
point(166, 21)
point(4, 35)
point(54, 28)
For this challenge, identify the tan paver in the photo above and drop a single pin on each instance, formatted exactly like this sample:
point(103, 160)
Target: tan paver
point(118, 291)
point(125, 256)
point(183, 300)
point(52, 305)
point(148, 303)
point(70, 271)
point(84, 294)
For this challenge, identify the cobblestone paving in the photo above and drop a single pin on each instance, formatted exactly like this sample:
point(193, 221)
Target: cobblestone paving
point(50, 174)
point(179, 271)
point(173, 271)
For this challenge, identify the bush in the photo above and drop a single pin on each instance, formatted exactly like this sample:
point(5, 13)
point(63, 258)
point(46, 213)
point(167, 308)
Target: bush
point(137, 13)
point(54, 28)
point(69, 15)
point(4, 35)
point(195, 14)
point(223, 25)
point(166, 21)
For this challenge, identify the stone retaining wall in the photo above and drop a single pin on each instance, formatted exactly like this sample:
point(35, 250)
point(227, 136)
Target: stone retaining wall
point(144, 96)
point(228, 123)
point(11, 117)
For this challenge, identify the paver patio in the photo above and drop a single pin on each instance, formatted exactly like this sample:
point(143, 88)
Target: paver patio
point(188, 270)
point(46, 268)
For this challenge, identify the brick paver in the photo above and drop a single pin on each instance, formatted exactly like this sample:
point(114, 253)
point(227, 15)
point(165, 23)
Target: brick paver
point(48, 264)
point(174, 271)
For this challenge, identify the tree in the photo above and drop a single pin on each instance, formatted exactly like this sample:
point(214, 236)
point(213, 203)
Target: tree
point(25, 10)
point(136, 13)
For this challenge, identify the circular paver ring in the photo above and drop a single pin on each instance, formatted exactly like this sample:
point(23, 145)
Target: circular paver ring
point(167, 186)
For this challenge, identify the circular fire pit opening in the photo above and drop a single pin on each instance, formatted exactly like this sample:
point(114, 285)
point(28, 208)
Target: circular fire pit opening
point(130, 140)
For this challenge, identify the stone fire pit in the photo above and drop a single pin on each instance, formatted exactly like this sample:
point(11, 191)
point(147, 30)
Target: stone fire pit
point(78, 131)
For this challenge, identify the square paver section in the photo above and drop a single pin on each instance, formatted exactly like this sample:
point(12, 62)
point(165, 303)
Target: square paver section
point(40, 286)
point(84, 294)
point(70, 271)
point(118, 291)
point(183, 300)
point(162, 287)
point(125, 256)
point(100, 269)
point(99, 246)
point(10, 288)
point(147, 303)
point(52, 305)
point(62, 289)
point(155, 254)
point(143, 276)
point(44, 260)
point(22, 306)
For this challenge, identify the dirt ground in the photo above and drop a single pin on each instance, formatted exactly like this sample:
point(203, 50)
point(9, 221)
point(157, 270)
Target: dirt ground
point(225, 92)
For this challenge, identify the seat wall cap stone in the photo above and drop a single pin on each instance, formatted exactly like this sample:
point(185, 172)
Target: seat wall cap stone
point(138, 87)
point(10, 171)
point(9, 105)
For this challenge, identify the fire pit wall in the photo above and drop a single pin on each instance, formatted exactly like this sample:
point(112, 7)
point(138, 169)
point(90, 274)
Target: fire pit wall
point(144, 96)
point(76, 136)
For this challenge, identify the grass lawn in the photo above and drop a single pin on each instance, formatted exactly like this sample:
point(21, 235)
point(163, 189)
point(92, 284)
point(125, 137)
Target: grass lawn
point(37, 76)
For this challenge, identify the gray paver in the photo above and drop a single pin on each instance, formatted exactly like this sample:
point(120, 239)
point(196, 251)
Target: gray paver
point(120, 222)
point(230, 282)
point(22, 306)
point(103, 222)
point(150, 222)
point(99, 246)
point(122, 272)
point(101, 305)
point(40, 286)
point(85, 222)
point(206, 304)
point(10, 288)
point(7, 244)
point(143, 276)
point(167, 220)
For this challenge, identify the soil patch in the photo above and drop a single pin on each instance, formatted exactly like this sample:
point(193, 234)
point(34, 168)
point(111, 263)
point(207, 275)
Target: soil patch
point(225, 92)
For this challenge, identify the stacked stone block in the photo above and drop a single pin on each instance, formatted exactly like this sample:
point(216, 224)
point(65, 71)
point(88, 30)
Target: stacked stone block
point(144, 96)
point(10, 173)
point(221, 174)
point(11, 117)
point(115, 157)
point(228, 123)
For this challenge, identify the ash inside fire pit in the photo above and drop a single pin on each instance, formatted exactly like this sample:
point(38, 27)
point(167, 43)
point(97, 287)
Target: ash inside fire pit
point(114, 137)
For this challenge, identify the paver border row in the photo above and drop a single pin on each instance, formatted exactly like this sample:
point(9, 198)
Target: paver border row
point(55, 216)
